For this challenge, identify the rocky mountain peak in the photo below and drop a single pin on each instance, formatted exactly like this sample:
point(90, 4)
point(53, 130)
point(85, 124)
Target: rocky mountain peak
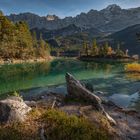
point(52, 17)
point(111, 19)
point(112, 12)
point(92, 11)
point(113, 7)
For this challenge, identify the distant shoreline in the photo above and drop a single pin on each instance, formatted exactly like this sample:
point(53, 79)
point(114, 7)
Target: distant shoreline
point(104, 59)
point(20, 61)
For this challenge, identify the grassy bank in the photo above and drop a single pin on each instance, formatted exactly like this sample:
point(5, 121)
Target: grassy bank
point(56, 124)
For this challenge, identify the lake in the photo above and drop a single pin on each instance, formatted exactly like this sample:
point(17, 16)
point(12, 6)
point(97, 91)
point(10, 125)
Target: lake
point(106, 77)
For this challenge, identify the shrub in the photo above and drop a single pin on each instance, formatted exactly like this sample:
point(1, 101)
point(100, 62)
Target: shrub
point(134, 67)
point(18, 131)
point(57, 125)
point(28, 130)
point(60, 126)
point(6, 95)
point(15, 94)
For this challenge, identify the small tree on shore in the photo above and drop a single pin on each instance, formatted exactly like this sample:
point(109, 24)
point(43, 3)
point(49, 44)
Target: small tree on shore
point(43, 48)
point(119, 52)
point(110, 50)
point(94, 49)
point(106, 48)
point(85, 48)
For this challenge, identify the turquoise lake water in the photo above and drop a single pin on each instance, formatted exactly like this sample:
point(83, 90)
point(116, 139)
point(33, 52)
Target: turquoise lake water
point(107, 77)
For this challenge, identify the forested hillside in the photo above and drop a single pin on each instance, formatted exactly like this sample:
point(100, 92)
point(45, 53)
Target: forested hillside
point(17, 42)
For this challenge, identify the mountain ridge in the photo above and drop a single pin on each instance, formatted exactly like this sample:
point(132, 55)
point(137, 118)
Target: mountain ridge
point(110, 19)
point(128, 39)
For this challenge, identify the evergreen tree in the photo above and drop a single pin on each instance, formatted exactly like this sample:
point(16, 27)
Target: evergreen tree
point(7, 38)
point(119, 52)
point(101, 51)
point(44, 48)
point(94, 49)
point(85, 48)
point(34, 38)
point(25, 40)
point(17, 42)
point(105, 49)
point(35, 44)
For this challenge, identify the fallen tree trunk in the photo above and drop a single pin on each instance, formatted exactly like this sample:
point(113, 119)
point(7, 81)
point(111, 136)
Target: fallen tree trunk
point(76, 89)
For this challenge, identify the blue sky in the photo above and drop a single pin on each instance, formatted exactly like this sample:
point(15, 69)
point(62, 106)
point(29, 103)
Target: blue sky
point(61, 8)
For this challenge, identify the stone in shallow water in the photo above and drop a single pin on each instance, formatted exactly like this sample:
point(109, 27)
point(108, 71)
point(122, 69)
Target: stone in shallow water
point(13, 109)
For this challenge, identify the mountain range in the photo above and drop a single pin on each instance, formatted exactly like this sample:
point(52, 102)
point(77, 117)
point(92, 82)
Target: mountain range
point(112, 24)
point(110, 19)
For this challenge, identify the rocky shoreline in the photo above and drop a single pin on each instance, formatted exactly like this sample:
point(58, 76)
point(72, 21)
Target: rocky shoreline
point(120, 123)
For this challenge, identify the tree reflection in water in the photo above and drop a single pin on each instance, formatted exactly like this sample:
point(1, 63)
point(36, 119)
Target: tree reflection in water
point(21, 76)
point(133, 76)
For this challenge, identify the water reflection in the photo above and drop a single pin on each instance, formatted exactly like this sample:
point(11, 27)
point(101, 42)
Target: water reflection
point(106, 77)
point(125, 100)
point(21, 76)
point(24, 76)
point(133, 76)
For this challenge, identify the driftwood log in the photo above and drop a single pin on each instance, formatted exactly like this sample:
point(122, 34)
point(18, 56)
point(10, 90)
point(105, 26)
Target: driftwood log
point(76, 89)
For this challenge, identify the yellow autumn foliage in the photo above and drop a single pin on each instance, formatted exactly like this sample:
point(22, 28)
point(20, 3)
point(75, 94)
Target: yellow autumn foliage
point(133, 67)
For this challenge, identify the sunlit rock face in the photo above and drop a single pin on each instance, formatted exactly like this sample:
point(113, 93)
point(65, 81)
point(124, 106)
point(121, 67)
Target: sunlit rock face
point(52, 17)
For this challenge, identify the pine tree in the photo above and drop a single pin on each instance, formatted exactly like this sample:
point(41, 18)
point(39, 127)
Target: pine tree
point(7, 38)
point(106, 47)
point(85, 48)
point(24, 40)
point(44, 48)
point(94, 49)
point(16, 41)
point(119, 52)
point(34, 38)
point(101, 51)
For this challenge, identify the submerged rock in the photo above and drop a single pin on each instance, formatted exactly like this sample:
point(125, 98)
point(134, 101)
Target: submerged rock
point(13, 109)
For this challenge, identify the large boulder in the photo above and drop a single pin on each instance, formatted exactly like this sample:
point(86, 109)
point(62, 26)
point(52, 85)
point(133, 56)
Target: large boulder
point(13, 109)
